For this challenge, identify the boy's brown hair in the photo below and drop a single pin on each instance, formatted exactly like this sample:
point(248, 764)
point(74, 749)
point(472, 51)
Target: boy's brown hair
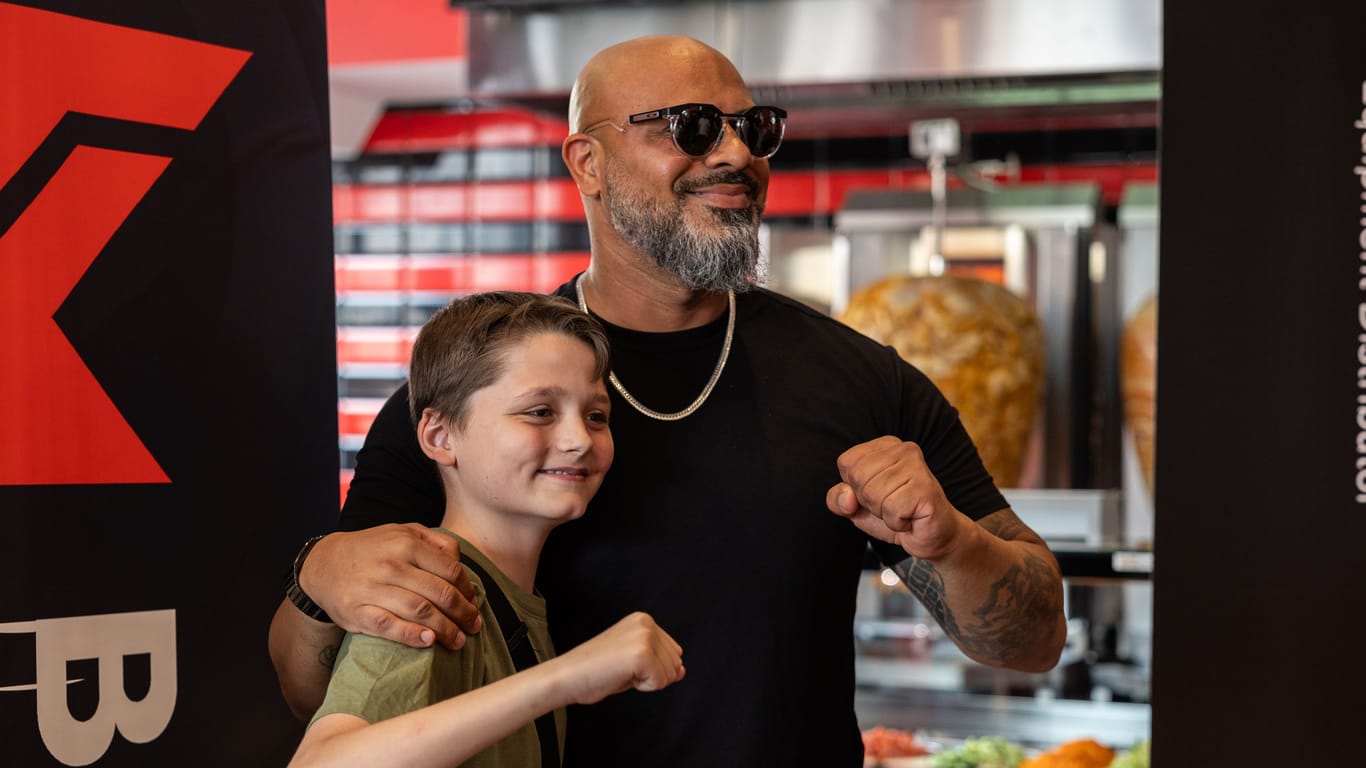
point(460, 348)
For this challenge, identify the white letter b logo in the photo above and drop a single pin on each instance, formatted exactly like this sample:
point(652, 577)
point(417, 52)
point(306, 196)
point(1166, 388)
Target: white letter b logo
point(108, 639)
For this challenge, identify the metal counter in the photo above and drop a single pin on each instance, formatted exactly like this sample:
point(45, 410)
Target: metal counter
point(1036, 722)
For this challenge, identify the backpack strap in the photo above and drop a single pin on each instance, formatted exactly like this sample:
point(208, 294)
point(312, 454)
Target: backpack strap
point(523, 655)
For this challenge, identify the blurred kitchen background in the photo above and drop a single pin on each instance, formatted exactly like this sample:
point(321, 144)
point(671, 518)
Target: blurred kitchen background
point(981, 168)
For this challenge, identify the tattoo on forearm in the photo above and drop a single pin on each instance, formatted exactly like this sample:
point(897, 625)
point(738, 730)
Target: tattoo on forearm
point(1002, 526)
point(928, 587)
point(1018, 604)
point(328, 655)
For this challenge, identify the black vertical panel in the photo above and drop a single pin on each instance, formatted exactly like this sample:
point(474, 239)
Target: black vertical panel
point(1259, 533)
point(1084, 461)
point(208, 320)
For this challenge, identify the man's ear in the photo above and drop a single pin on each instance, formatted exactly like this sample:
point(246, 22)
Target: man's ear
point(436, 437)
point(583, 157)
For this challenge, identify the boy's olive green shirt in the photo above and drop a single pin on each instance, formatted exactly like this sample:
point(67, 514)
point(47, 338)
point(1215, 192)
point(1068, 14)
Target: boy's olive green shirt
point(377, 679)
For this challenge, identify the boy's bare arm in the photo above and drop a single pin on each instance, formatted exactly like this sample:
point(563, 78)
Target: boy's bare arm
point(633, 653)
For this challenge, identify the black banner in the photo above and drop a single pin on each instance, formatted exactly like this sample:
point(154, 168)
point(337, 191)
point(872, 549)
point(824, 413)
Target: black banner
point(167, 372)
point(1261, 411)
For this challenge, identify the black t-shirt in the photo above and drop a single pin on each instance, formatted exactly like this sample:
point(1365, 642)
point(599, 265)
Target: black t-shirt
point(716, 525)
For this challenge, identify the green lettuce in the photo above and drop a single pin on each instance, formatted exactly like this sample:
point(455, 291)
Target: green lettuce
point(986, 752)
point(1133, 758)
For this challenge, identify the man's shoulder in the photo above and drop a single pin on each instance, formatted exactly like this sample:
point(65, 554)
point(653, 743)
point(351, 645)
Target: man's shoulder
point(566, 289)
point(771, 312)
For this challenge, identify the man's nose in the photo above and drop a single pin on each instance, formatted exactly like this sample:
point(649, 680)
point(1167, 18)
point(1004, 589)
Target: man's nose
point(732, 149)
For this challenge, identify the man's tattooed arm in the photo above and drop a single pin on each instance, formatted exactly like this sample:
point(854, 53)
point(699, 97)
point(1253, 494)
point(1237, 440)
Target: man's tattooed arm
point(1003, 627)
point(327, 656)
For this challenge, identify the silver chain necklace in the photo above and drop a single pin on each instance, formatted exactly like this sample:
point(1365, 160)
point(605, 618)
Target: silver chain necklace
point(706, 391)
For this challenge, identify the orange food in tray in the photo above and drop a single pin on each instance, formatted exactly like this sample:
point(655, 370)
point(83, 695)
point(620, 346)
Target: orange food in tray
point(1082, 753)
point(882, 742)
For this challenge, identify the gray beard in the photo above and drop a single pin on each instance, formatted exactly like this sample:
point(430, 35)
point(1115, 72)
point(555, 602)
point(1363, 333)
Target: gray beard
point(727, 260)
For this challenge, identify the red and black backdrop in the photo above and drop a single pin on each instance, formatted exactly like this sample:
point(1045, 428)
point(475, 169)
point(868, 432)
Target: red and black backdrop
point(167, 372)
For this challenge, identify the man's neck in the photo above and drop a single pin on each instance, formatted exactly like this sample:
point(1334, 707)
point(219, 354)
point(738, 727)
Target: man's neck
point(646, 298)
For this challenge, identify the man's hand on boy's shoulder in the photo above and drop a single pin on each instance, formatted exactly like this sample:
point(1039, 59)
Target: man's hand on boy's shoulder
point(400, 582)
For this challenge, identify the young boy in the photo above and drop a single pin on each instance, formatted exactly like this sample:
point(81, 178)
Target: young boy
point(506, 390)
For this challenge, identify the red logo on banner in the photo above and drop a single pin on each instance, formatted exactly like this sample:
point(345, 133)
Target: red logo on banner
point(57, 425)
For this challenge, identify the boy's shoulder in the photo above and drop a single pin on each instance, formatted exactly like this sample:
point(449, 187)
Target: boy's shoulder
point(376, 678)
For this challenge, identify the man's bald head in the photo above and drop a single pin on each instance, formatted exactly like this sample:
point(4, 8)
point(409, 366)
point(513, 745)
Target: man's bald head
point(644, 195)
point(633, 76)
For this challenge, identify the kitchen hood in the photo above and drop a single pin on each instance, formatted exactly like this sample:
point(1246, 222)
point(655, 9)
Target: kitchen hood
point(970, 53)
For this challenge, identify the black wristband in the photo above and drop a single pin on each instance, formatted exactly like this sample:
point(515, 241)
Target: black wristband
point(296, 594)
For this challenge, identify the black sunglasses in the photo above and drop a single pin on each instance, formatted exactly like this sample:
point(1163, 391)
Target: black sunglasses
point(696, 129)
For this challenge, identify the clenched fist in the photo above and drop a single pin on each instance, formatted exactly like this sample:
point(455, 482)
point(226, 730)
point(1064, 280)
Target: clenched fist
point(888, 491)
point(633, 653)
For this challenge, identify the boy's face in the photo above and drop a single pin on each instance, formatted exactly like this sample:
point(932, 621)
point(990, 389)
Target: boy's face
point(536, 441)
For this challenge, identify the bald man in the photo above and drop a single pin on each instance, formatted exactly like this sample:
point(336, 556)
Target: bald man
point(761, 447)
